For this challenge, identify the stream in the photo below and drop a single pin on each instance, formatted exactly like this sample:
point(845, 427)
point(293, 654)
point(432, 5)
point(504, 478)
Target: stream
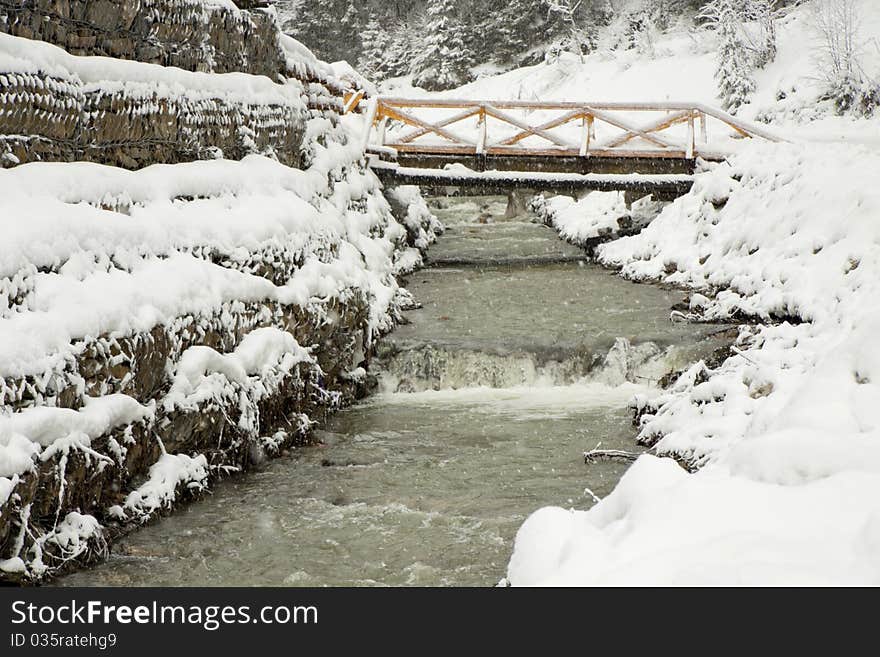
point(522, 356)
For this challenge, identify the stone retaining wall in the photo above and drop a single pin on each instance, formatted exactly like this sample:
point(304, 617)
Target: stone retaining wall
point(50, 118)
point(188, 34)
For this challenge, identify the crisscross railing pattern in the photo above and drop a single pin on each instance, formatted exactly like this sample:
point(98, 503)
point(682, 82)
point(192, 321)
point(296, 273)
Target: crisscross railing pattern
point(516, 127)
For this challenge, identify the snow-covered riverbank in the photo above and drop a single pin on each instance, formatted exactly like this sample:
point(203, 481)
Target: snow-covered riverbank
point(785, 431)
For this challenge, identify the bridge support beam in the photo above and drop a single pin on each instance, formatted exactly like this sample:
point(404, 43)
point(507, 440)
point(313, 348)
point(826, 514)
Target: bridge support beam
point(552, 163)
point(443, 183)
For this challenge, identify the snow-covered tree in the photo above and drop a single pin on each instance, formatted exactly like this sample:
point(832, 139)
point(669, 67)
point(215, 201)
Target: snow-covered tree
point(375, 40)
point(840, 45)
point(510, 28)
point(444, 60)
point(762, 15)
point(567, 11)
point(329, 27)
point(734, 59)
point(403, 45)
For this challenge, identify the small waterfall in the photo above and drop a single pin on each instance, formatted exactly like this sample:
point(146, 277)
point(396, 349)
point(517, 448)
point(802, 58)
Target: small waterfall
point(421, 367)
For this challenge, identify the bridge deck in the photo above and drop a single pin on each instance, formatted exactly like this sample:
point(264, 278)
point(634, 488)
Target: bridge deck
point(662, 187)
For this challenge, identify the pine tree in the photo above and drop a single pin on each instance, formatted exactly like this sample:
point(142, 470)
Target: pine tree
point(444, 59)
point(404, 43)
point(375, 40)
point(330, 28)
point(505, 30)
point(734, 71)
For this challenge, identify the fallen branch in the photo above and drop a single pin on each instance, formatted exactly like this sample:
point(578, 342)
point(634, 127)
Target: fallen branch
point(597, 455)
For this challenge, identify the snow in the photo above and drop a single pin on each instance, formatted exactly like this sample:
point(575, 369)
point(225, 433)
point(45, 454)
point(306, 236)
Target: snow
point(126, 269)
point(170, 473)
point(348, 74)
point(262, 357)
point(71, 538)
point(580, 220)
point(44, 425)
point(7, 485)
point(17, 454)
point(725, 531)
point(25, 56)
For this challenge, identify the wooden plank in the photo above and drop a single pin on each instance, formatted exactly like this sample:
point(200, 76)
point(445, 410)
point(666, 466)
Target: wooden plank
point(455, 118)
point(586, 135)
point(626, 153)
point(739, 125)
point(743, 127)
point(553, 123)
point(655, 126)
point(409, 119)
point(484, 131)
point(372, 112)
point(352, 101)
point(522, 125)
point(383, 124)
point(537, 105)
point(432, 149)
point(510, 151)
point(690, 138)
point(383, 152)
point(635, 130)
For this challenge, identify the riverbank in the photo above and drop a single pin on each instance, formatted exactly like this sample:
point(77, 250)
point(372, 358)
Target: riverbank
point(783, 433)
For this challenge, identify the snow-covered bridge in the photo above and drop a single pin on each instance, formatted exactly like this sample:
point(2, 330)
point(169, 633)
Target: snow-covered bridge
point(485, 147)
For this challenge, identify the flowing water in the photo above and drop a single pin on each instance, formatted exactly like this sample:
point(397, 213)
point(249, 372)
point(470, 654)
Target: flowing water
point(522, 356)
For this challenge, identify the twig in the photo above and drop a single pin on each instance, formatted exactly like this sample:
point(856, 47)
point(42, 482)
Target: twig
point(739, 352)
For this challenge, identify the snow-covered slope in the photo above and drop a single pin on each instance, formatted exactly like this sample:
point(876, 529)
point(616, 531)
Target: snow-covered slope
point(681, 68)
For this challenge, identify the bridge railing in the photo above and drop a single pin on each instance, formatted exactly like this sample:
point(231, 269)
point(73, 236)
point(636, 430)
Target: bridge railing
point(523, 128)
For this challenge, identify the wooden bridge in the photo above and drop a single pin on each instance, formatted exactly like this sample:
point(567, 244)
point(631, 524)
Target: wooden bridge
point(490, 147)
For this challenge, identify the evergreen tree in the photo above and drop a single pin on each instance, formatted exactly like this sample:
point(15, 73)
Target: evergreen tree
point(517, 28)
point(444, 59)
point(375, 40)
point(331, 28)
point(734, 72)
point(402, 46)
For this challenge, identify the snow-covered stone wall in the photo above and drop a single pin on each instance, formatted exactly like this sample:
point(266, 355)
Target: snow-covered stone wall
point(195, 35)
point(165, 325)
point(56, 106)
point(136, 83)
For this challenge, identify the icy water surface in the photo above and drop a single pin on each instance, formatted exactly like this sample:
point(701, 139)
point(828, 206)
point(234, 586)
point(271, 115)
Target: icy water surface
point(521, 357)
